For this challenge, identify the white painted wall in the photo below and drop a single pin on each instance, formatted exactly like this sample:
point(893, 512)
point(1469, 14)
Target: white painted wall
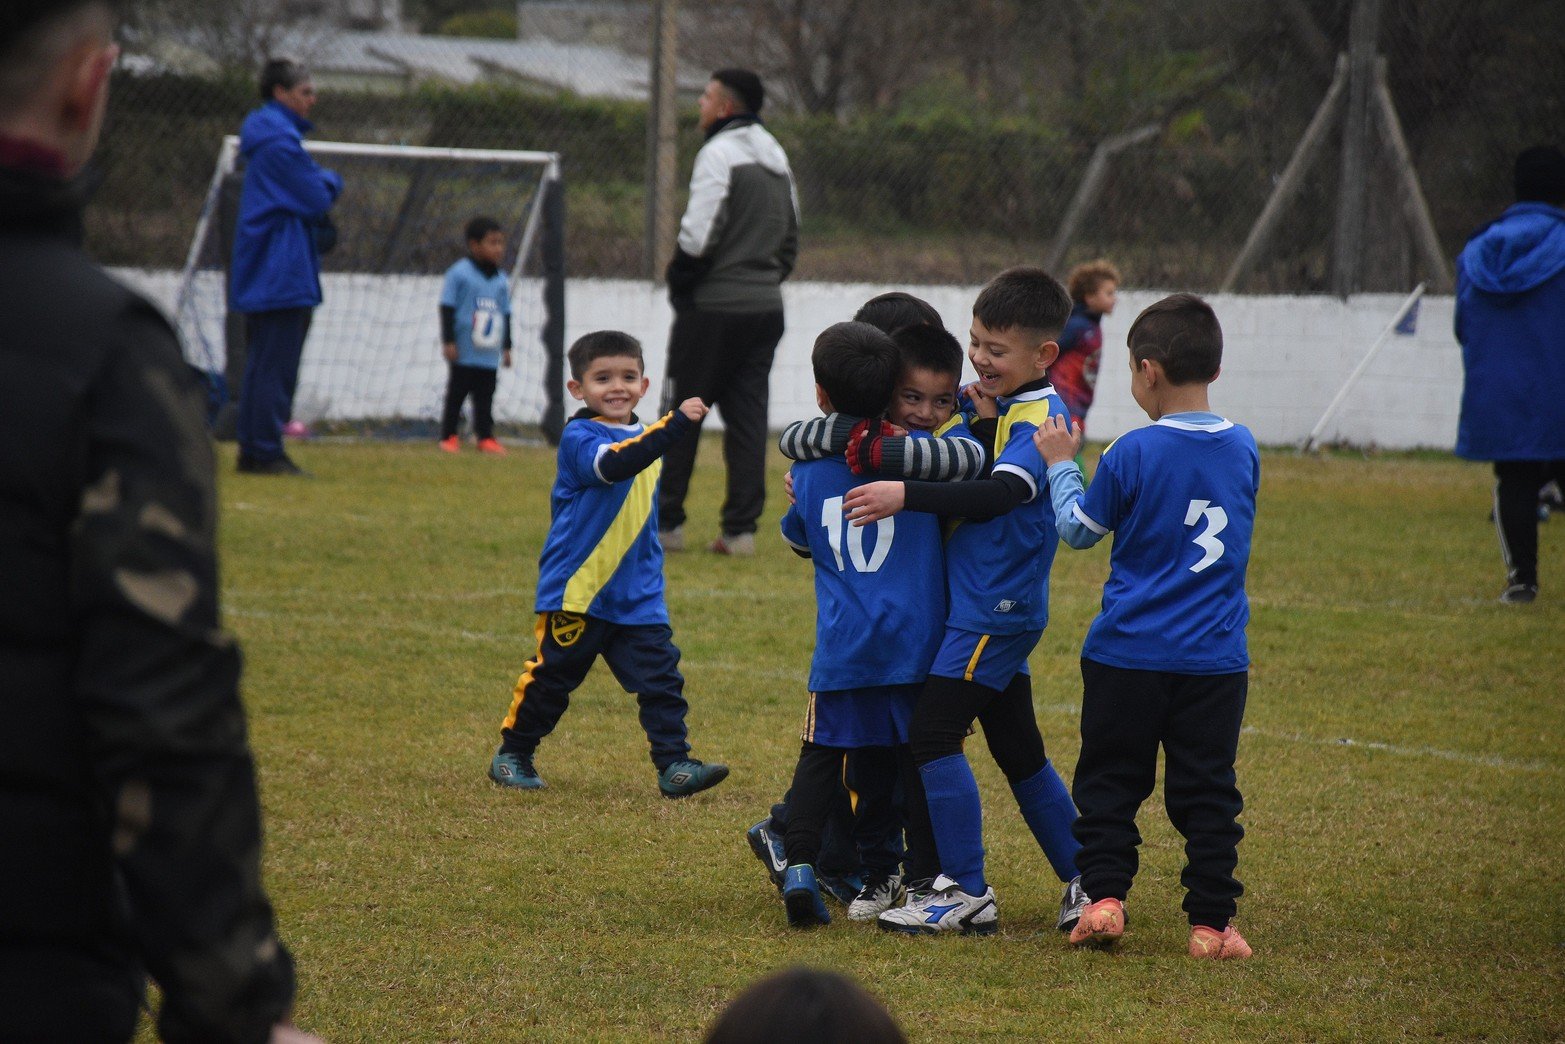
point(1285, 357)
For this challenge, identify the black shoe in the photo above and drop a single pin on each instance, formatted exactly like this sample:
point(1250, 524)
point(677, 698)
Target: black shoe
point(277, 466)
point(1519, 594)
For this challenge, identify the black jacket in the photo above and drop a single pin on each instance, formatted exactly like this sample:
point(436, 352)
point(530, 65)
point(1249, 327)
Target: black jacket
point(129, 824)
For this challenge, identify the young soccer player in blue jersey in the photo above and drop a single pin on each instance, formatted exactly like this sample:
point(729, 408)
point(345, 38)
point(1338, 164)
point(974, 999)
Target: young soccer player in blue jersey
point(600, 578)
point(475, 333)
point(997, 567)
point(878, 613)
point(923, 401)
point(1165, 662)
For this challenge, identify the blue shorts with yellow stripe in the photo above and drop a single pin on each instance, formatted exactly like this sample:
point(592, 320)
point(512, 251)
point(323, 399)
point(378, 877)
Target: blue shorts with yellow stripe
point(874, 716)
point(991, 660)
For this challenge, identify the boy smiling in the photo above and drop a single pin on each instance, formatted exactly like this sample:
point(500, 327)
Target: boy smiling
point(600, 578)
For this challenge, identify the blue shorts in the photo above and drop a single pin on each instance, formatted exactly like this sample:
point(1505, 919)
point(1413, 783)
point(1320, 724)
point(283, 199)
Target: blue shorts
point(991, 660)
point(874, 716)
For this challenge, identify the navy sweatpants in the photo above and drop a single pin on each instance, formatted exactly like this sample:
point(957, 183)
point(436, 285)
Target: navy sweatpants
point(644, 661)
point(274, 342)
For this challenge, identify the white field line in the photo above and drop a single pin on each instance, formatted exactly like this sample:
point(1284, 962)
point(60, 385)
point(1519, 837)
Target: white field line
point(1461, 757)
point(801, 678)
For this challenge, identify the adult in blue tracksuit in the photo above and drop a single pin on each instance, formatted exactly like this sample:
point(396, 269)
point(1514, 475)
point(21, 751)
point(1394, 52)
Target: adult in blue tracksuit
point(276, 279)
point(1510, 320)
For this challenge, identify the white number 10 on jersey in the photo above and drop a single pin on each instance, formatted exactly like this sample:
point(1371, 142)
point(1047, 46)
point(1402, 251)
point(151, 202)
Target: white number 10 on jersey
point(1206, 540)
point(885, 531)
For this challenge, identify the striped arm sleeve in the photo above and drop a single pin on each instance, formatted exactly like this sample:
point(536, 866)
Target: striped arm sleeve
point(816, 438)
point(942, 459)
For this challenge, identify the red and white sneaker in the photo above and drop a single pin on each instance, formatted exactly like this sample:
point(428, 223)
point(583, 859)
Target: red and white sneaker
point(1209, 944)
point(1101, 924)
point(451, 445)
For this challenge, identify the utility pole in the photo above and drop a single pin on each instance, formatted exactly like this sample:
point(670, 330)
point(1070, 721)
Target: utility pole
point(1352, 192)
point(662, 139)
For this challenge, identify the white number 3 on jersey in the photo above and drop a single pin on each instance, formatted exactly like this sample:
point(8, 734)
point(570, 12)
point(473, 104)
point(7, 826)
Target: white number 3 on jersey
point(1206, 540)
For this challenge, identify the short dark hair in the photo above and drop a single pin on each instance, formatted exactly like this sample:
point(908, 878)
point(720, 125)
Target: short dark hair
point(928, 348)
point(281, 72)
point(1181, 334)
point(805, 1004)
point(36, 34)
point(1025, 297)
point(745, 86)
point(480, 227)
point(1540, 175)
point(856, 365)
point(894, 310)
point(601, 344)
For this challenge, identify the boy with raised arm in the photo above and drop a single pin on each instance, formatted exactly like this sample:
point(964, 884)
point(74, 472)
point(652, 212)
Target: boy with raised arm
point(1165, 662)
point(600, 578)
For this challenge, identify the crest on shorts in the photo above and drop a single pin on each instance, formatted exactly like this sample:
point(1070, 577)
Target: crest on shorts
point(565, 628)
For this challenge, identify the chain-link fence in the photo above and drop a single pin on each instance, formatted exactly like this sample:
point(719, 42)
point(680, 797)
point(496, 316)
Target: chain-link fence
point(942, 154)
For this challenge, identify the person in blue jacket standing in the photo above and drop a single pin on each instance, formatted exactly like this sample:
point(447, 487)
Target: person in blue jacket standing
point(276, 267)
point(1510, 320)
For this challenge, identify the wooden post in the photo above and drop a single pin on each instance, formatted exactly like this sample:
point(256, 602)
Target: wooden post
point(662, 140)
point(1414, 207)
point(1351, 193)
point(1292, 176)
point(1087, 191)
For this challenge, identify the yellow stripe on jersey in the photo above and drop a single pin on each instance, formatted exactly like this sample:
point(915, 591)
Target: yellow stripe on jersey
point(661, 422)
point(972, 665)
point(595, 572)
point(520, 692)
point(951, 422)
point(1033, 411)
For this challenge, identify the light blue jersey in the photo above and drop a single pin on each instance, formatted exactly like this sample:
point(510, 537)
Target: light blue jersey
point(999, 569)
point(1179, 497)
point(879, 589)
point(483, 313)
point(602, 557)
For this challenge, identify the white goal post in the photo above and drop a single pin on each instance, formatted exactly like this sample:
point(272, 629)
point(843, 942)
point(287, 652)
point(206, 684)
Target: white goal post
point(372, 361)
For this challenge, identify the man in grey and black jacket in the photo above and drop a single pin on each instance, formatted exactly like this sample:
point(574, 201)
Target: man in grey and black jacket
point(737, 243)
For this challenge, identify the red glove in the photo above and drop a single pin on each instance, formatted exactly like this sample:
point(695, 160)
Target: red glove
point(864, 444)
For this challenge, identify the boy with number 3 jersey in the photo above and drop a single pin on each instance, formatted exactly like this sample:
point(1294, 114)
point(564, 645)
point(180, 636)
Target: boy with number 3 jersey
point(1165, 662)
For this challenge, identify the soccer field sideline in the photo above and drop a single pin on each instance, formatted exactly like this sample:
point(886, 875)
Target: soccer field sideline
point(383, 628)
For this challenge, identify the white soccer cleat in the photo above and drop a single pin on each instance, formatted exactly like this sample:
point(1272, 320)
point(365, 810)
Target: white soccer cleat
point(879, 894)
point(945, 908)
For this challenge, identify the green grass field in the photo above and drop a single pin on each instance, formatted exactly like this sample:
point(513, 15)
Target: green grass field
point(1402, 767)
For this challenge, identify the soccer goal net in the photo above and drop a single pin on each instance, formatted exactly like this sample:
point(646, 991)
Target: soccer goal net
point(372, 360)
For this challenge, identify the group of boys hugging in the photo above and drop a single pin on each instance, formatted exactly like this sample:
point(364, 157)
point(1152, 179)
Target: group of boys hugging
point(931, 513)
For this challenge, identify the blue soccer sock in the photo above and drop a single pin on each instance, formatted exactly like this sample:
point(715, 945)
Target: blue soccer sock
point(1047, 807)
point(956, 815)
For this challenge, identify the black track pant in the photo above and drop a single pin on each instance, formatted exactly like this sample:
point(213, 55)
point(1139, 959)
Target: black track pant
point(817, 779)
point(946, 711)
point(1125, 716)
point(726, 360)
point(1516, 512)
point(479, 382)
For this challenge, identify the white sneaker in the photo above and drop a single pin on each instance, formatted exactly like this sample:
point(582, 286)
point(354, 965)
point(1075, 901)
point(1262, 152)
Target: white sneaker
point(878, 895)
point(945, 908)
point(741, 545)
point(672, 539)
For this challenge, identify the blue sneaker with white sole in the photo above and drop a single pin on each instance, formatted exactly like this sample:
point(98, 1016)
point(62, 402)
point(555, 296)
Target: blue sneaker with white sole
point(515, 771)
point(802, 897)
point(683, 778)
